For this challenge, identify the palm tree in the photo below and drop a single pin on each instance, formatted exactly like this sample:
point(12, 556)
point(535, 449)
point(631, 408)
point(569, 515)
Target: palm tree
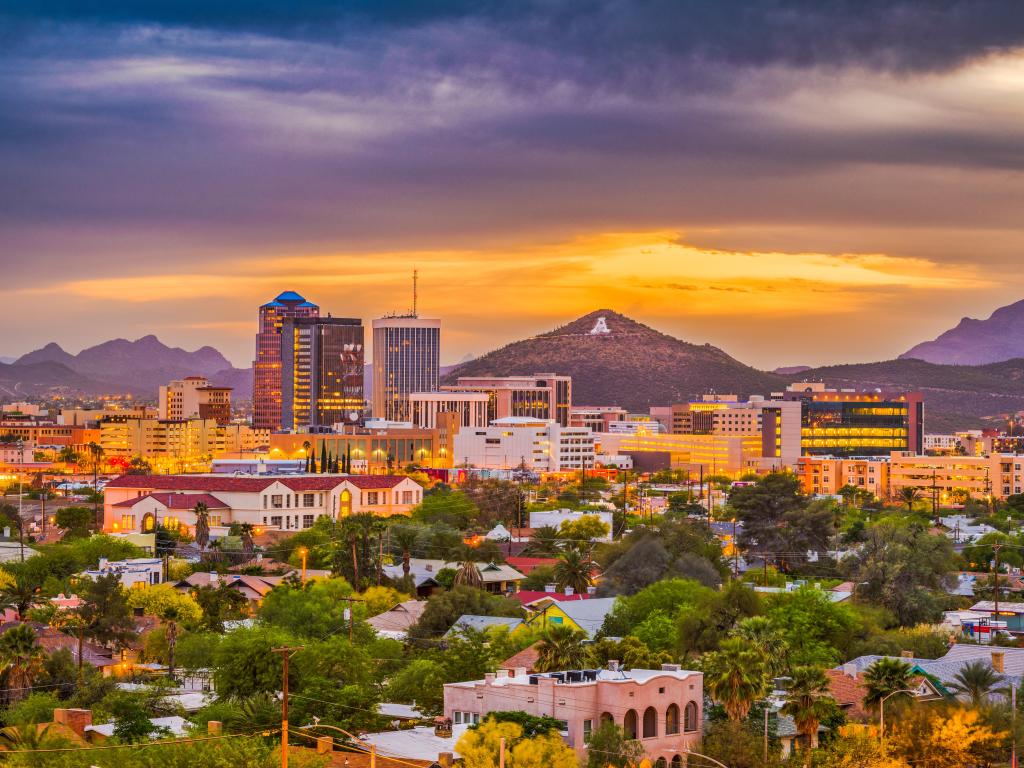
point(976, 681)
point(469, 575)
point(248, 545)
point(202, 513)
point(170, 615)
point(735, 676)
point(96, 456)
point(885, 676)
point(21, 659)
point(761, 633)
point(573, 569)
point(808, 702)
point(351, 530)
point(909, 496)
point(561, 648)
point(545, 542)
point(19, 595)
point(405, 537)
point(29, 738)
point(306, 446)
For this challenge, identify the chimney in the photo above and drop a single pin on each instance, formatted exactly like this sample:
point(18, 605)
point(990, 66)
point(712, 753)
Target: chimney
point(75, 719)
point(850, 670)
point(551, 588)
point(502, 674)
point(519, 672)
point(906, 654)
point(999, 661)
point(670, 667)
point(613, 665)
point(214, 727)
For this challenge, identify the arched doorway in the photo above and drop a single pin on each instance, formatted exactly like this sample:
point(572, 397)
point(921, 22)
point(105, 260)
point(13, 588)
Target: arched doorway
point(690, 717)
point(606, 717)
point(677, 761)
point(148, 523)
point(650, 723)
point(672, 720)
point(660, 763)
point(629, 723)
point(346, 504)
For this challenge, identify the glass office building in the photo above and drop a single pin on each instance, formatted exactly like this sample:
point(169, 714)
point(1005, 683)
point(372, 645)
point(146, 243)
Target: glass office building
point(406, 359)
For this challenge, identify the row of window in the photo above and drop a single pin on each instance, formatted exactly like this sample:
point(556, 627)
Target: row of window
point(650, 721)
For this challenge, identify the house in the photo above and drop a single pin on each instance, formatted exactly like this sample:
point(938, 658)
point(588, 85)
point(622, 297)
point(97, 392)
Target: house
point(498, 578)
point(1010, 618)
point(529, 597)
point(483, 624)
point(526, 659)
point(173, 726)
point(528, 564)
point(848, 690)
point(962, 529)
point(426, 743)
point(51, 640)
point(254, 588)
point(661, 708)
point(586, 616)
point(281, 502)
point(136, 572)
point(395, 622)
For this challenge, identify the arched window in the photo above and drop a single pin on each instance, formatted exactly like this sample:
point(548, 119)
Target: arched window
point(690, 717)
point(629, 724)
point(346, 503)
point(147, 523)
point(650, 723)
point(606, 717)
point(672, 720)
point(677, 761)
point(660, 763)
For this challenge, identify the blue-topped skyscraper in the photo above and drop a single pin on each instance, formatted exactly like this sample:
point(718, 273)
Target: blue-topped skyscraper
point(266, 368)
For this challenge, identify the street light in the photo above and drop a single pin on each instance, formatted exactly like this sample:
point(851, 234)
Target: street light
point(691, 753)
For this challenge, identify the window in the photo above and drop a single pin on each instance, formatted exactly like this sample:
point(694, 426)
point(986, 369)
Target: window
point(288, 501)
point(215, 521)
point(672, 720)
point(629, 724)
point(307, 521)
point(407, 497)
point(650, 723)
point(588, 728)
point(128, 522)
point(457, 718)
point(476, 718)
point(264, 502)
point(690, 717)
point(171, 523)
point(277, 501)
point(275, 520)
point(563, 726)
point(307, 500)
point(371, 497)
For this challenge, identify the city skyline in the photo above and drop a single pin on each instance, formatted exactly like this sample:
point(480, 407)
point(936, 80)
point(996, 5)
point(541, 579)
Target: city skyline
point(170, 167)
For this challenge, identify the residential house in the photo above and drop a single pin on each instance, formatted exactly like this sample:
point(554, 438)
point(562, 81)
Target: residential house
point(586, 616)
point(661, 708)
point(498, 578)
point(395, 622)
point(483, 624)
point(133, 573)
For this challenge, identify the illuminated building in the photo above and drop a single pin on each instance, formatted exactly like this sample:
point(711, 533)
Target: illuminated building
point(194, 398)
point(540, 445)
point(716, 454)
point(596, 418)
point(540, 396)
point(470, 407)
point(140, 503)
point(825, 475)
point(179, 444)
point(373, 451)
point(996, 475)
point(266, 368)
point(846, 423)
point(321, 372)
point(406, 359)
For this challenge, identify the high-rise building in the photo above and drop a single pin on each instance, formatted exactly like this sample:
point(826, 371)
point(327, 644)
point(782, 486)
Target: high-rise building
point(849, 423)
point(406, 358)
point(266, 389)
point(321, 372)
point(540, 396)
point(194, 398)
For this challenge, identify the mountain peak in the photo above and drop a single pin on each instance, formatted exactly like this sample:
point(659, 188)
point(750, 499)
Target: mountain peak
point(977, 342)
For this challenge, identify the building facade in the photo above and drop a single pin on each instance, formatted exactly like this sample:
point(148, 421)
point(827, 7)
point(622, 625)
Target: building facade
point(140, 503)
point(540, 396)
point(660, 708)
point(847, 423)
point(952, 477)
point(825, 475)
point(470, 408)
point(596, 418)
point(406, 359)
point(373, 451)
point(266, 389)
point(537, 445)
point(194, 398)
point(321, 372)
point(178, 444)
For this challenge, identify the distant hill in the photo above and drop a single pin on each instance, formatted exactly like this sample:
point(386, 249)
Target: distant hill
point(955, 396)
point(977, 342)
point(614, 360)
point(137, 367)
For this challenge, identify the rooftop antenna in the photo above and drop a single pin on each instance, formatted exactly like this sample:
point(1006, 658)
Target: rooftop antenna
point(415, 279)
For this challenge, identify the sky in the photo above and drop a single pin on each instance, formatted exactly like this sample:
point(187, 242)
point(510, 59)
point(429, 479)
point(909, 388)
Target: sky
point(795, 181)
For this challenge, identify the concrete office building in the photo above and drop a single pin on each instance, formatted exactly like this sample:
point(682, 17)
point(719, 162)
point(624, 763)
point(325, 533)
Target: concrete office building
point(596, 418)
point(470, 407)
point(266, 368)
point(194, 398)
point(542, 445)
point(540, 396)
point(406, 359)
point(321, 372)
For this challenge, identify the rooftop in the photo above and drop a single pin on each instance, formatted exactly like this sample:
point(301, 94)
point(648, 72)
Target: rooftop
point(229, 483)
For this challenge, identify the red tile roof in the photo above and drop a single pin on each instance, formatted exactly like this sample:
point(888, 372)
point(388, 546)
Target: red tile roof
point(252, 484)
point(527, 564)
point(525, 658)
point(178, 500)
point(849, 692)
point(526, 597)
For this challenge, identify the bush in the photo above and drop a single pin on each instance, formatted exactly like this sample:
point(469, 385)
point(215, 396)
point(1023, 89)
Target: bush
point(35, 708)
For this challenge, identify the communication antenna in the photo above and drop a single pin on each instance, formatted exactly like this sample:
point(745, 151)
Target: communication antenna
point(415, 279)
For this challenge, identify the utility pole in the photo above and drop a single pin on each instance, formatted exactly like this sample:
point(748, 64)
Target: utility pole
point(351, 613)
point(735, 552)
point(995, 584)
point(766, 733)
point(286, 654)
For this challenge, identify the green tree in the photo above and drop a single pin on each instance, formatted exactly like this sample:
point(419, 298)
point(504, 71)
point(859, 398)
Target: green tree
point(315, 610)
point(735, 676)
point(202, 513)
point(447, 507)
point(219, 604)
point(105, 611)
point(883, 677)
point(583, 530)
point(74, 521)
point(21, 661)
point(18, 594)
point(977, 681)
point(444, 609)
point(669, 596)
point(243, 663)
point(610, 747)
point(809, 702)
point(816, 630)
point(909, 496)
point(37, 707)
point(768, 639)
point(468, 575)
point(573, 569)
point(561, 647)
point(545, 542)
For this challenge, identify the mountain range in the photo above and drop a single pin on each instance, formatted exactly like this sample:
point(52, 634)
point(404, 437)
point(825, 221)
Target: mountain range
point(977, 342)
point(613, 360)
point(118, 366)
